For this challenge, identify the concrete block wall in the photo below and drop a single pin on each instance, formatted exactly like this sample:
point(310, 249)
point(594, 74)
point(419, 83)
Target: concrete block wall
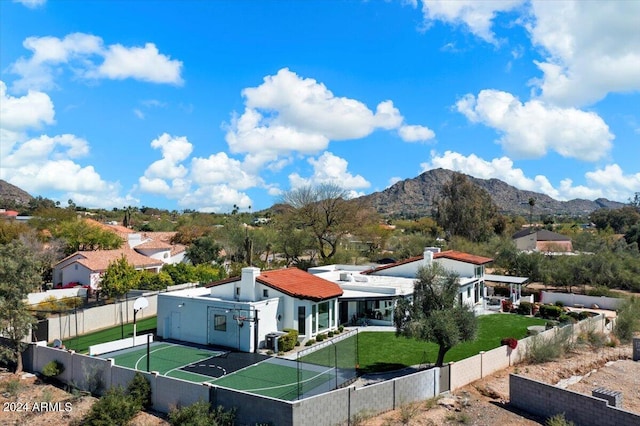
point(253, 409)
point(171, 393)
point(328, 409)
point(90, 374)
point(97, 318)
point(466, 371)
point(545, 400)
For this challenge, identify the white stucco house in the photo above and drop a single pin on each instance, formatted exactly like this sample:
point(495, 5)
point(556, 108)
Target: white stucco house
point(240, 312)
point(87, 267)
point(369, 293)
point(143, 250)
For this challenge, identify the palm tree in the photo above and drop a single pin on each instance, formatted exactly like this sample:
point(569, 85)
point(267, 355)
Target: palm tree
point(532, 202)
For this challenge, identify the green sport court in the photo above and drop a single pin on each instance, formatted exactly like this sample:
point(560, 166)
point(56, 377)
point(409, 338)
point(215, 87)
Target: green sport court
point(254, 373)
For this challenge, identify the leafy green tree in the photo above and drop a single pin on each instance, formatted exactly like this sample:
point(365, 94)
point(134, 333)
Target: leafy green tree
point(465, 210)
point(19, 275)
point(204, 250)
point(435, 315)
point(181, 273)
point(80, 235)
point(119, 278)
point(151, 281)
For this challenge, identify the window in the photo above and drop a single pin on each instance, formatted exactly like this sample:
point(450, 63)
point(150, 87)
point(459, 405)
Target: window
point(468, 292)
point(479, 271)
point(323, 315)
point(220, 322)
point(265, 292)
point(76, 266)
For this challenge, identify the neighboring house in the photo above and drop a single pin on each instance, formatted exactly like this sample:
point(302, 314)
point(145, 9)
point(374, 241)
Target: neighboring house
point(542, 240)
point(8, 213)
point(240, 312)
point(370, 293)
point(87, 267)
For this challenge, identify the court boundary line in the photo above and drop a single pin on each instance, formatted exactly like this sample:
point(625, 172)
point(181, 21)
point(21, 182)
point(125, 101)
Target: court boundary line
point(290, 384)
point(170, 345)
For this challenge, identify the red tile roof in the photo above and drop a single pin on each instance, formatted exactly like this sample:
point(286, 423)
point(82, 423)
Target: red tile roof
point(449, 254)
point(298, 283)
point(99, 260)
point(295, 283)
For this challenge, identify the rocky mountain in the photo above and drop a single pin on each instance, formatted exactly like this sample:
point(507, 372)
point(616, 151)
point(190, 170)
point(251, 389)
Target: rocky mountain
point(414, 197)
point(11, 196)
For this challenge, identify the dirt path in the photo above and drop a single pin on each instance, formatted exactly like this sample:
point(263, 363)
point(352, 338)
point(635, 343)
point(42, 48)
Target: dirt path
point(485, 402)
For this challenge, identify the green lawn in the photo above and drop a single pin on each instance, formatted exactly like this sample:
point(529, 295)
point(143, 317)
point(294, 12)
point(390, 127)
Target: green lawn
point(384, 351)
point(81, 343)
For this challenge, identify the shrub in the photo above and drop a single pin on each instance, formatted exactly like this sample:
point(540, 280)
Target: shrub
point(507, 305)
point(524, 308)
point(140, 390)
point(628, 320)
point(330, 334)
point(601, 290)
point(52, 369)
point(320, 337)
point(541, 349)
point(310, 342)
point(340, 329)
point(558, 420)
point(12, 387)
point(559, 304)
point(200, 414)
point(288, 341)
point(509, 341)
point(550, 311)
point(114, 408)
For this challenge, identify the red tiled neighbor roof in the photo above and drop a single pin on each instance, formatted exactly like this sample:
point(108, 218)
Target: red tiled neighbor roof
point(298, 283)
point(99, 260)
point(449, 254)
point(463, 257)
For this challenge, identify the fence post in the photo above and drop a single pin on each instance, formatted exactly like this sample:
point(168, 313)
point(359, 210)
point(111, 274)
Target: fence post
point(481, 362)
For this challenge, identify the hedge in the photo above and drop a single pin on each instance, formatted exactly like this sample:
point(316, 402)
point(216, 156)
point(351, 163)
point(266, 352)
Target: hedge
point(288, 341)
point(550, 311)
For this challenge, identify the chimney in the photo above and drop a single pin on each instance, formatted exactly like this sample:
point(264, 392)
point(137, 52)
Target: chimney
point(248, 283)
point(428, 257)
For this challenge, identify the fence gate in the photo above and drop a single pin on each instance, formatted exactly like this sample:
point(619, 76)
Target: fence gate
point(445, 378)
point(40, 331)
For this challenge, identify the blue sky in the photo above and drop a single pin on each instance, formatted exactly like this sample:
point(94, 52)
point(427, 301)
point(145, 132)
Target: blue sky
point(206, 104)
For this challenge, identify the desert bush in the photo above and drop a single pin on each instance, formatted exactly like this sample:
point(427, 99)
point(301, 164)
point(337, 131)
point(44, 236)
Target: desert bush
point(628, 320)
point(601, 290)
point(72, 302)
point(12, 387)
point(541, 349)
point(52, 369)
point(114, 408)
point(140, 390)
point(509, 341)
point(200, 414)
point(558, 420)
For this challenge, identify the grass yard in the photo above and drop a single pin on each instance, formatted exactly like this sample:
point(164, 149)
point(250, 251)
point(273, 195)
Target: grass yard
point(384, 351)
point(81, 343)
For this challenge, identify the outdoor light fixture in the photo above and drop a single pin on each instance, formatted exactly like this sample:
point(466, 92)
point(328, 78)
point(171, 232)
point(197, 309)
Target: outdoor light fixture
point(181, 305)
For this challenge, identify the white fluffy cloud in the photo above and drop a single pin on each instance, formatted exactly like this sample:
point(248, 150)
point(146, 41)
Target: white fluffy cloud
point(141, 63)
point(220, 169)
point(609, 182)
point(531, 129)
point(157, 176)
point(29, 111)
point(476, 16)
point(329, 168)
point(415, 133)
point(81, 52)
point(288, 113)
point(31, 4)
point(590, 48)
point(215, 198)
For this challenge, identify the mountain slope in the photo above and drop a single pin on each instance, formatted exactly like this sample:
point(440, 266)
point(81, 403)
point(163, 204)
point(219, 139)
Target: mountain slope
point(12, 196)
point(414, 197)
